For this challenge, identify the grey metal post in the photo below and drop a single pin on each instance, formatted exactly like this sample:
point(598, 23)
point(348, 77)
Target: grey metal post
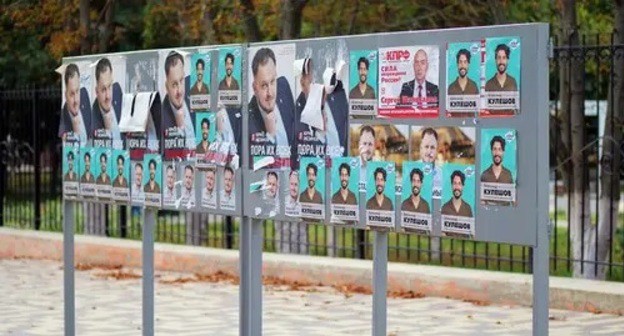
point(380, 283)
point(251, 237)
point(148, 271)
point(541, 260)
point(68, 268)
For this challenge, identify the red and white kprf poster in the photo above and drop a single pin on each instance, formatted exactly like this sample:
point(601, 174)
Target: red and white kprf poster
point(408, 82)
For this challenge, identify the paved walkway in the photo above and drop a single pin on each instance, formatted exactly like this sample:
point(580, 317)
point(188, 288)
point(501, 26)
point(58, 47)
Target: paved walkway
point(108, 302)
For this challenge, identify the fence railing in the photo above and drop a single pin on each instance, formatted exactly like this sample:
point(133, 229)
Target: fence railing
point(30, 190)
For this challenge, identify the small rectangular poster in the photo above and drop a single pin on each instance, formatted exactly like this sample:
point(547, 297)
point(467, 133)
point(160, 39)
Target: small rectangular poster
point(229, 75)
point(345, 178)
point(103, 172)
point(70, 167)
point(380, 194)
point(499, 167)
point(152, 181)
point(363, 81)
point(463, 72)
point(458, 199)
point(200, 81)
point(87, 177)
point(500, 78)
point(121, 184)
point(312, 187)
point(416, 206)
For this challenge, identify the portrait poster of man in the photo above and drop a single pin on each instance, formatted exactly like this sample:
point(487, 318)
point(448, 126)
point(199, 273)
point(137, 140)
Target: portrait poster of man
point(88, 165)
point(204, 136)
point(271, 106)
point(264, 192)
point(225, 150)
point(102, 171)
point(186, 178)
point(458, 200)
point(136, 188)
point(363, 82)
point(208, 183)
point(408, 82)
point(380, 196)
point(152, 180)
point(227, 193)
point(120, 173)
point(76, 101)
point(499, 166)
point(230, 76)
point(502, 76)
point(71, 178)
point(345, 196)
point(178, 120)
point(171, 189)
point(200, 81)
point(292, 207)
point(463, 62)
point(437, 146)
point(312, 187)
point(416, 197)
point(109, 74)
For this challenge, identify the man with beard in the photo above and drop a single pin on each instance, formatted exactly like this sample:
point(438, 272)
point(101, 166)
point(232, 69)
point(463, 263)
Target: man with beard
point(87, 177)
point(497, 173)
point(311, 195)
point(200, 88)
point(104, 114)
point(70, 176)
point(415, 203)
point(428, 152)
point(463, 85)
point(103, 179)
point(208, 194)
point(120, 181)
point(152, 186)
point(188, 194)
point(456, 206)
point(202, 147)
point(419, 92)
point(362, 90)
point(344, 195)
point(228, 200)
point(170, 195)
point(229, 83)
point(379, 201)
point(366, 146)
point(501, 81)
point(292, 201)
point(138, 180)
point(175, 111)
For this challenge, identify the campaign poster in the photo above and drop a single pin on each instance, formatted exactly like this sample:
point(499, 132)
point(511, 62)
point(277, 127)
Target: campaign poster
point(463, 61)
point(137, 195)
point(264, 192)
point(312, 187)
point(437, 146)
point(109, 75)
point(71, 168)
point(380, 196)
point(200, 81)
point(363, 81)
point(230, 76)
point(499, 166)
point(345, 178)
point(416, 198)
point(227, 194)
point(178, 120)
point(271, 84)
point(458, 200)
point(87, 177)
point(152, 180)
point(500, 76)
point(186, 177)
point(224, 149)
point(102, 171)
point(204, 136)
point(408, 82)
point(76, 101)
point(208, 183)
point(292, 207)
point(121, 176)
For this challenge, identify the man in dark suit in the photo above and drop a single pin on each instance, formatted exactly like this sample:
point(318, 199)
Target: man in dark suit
point(175, 111)
point(76, 114)
point(419, 92)
point(271, 109)
point(107, 105)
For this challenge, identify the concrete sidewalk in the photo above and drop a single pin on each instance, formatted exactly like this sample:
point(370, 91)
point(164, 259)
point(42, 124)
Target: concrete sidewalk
point(108, 302)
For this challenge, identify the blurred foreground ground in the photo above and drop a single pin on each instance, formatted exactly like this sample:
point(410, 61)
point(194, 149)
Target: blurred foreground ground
point(108, 302)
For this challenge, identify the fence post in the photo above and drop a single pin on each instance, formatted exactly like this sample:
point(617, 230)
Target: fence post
point(229, 232)
point(37, 163)
point(123, 221)
point(2, 156)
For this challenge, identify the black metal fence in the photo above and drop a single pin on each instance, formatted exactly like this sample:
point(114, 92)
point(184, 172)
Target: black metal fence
point(30, 189)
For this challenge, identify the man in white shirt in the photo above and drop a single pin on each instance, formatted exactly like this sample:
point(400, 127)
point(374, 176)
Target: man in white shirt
point(228, 200)
point(208, 194)
point(188, 193)
point(105, 117)
point(175, 110)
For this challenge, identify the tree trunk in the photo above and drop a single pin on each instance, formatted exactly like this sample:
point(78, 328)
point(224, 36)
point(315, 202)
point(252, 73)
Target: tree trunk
point(208, 16)
point(107, 30)
point(498, 11)
point(85, 44)
point(573, 136)
point(250, 23)
point(292, 11)
point(611, 161)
